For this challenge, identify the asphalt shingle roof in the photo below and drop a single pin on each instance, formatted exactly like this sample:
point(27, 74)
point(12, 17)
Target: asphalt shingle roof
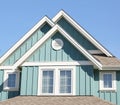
point(108, 61)
point(55, 100)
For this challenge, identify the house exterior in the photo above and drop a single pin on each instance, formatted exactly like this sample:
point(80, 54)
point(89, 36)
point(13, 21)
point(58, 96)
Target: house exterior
point(57, 57)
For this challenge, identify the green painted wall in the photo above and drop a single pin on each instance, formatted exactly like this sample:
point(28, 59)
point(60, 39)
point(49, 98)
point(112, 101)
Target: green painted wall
point(112, 96)
point(46, 53)
point(76, 35)
point(29, 81)
point(27, 45)
point(84, 80)
point(5, 94)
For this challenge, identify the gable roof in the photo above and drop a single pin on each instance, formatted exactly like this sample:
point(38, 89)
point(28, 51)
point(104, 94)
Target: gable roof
point(48, 35)
point(26, 36)
point(96, 59)
point(55, 100)
point(81, 30)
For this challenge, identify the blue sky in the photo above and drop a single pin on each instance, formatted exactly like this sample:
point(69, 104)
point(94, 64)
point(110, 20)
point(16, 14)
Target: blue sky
point(101, 18)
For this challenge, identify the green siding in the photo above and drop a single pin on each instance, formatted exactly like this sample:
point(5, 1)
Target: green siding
point(5, 94)
point(112, 96)
point(76, 35)
point(29, 81)
point(46, 53)
point(21, 50)
point(84, 80)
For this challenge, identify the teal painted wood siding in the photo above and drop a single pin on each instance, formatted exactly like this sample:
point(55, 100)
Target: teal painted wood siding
point(27, 45)
point(84, 80)
point(6, 94)
point(111, 96)
point(29, 81)
point(76, 35)
point(46, 53)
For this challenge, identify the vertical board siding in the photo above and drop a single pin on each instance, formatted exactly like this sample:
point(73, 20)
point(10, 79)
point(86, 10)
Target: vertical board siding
point(111, 96)
point(84, 80)
point(29, 81)
point(20, 51)
point(46, 53)
point(76, 35)
point(6, 94)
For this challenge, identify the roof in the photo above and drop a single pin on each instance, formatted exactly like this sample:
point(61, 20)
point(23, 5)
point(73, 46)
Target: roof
point(97, 61)
point(112, 62)
point(55, 100)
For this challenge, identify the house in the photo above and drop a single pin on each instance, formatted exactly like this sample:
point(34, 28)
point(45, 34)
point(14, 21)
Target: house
point(59, 60)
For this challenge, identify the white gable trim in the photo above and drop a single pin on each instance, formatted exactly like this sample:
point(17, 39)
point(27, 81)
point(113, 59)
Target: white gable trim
point(67, 36)
point(26, 36)
point(81, 30)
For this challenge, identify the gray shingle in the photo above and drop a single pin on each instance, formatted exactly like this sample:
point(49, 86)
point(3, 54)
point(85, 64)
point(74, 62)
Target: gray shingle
point(55, 100)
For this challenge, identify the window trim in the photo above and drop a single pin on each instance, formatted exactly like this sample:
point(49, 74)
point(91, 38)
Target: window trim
point(113, 81)
point(56, 84)
point(5, 84)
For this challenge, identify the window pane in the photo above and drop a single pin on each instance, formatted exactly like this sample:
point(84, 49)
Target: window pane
point(107, 78)
point(11, 80)
point(65, 81)
point(47, 82)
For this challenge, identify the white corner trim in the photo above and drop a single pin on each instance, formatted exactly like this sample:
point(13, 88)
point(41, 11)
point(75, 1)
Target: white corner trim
point(81, 30)
point(95, 52)
point(27, 35)
point(49, 34)
point(73, 63)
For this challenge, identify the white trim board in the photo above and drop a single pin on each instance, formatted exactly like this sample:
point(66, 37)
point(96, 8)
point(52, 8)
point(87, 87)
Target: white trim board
point(57, 63)
point(26, 36)
point(67, 36)
point(81, 30)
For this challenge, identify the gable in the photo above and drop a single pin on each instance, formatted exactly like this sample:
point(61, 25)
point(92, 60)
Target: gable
point(76, 35)
point(46, 53)
point(22, 49)
point(81, 30)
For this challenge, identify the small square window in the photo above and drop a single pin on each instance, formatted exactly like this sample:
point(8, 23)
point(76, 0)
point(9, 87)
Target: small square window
point(107, 81)
point(11, 80)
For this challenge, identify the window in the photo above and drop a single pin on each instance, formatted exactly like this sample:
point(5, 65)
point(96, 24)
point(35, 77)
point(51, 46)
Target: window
point(47, 82)
point(11, 80)
point(65, 81)
point(56, 80)
point(107, 81)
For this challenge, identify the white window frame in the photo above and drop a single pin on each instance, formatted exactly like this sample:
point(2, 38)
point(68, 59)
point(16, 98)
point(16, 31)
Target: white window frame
point(113, 81)
point(56, 79)
point(5, 85)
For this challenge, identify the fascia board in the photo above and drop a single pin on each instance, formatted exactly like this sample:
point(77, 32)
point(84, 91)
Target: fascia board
point(26, 36)
point(81, 30)
point(49, 34)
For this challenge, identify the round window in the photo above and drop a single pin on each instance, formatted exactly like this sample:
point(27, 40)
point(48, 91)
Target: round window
point(57, 44)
